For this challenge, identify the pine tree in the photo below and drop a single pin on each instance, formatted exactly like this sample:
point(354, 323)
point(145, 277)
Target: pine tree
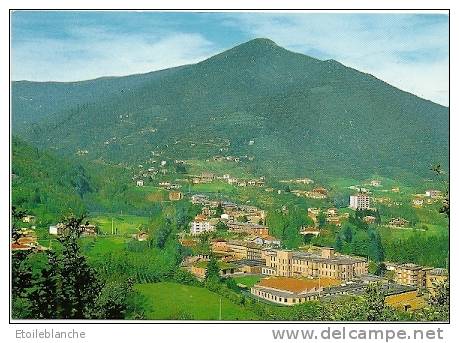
point(348, 234)
point(79, 284)
point(376, 250)
point(213, 270)
point(339, 243)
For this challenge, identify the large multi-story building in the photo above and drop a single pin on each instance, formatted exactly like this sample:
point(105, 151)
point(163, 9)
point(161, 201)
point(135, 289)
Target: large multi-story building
point(359, 201)
point(244, 250)
point(410, 274)
point(289, 263)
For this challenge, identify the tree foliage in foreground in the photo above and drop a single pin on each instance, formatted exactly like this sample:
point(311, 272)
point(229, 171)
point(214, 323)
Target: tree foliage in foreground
point(61, 284)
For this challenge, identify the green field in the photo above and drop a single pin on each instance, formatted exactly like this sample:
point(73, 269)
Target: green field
point(214, 187)
point(124, 223)
point(96, 246)
point(248, 280)
point(167, 300)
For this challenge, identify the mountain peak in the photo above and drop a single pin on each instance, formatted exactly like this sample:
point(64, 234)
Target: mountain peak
point(261, 41)
point(258, 44)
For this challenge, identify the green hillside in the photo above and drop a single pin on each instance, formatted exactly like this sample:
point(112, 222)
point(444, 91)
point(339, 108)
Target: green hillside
point(304, 116)
point(46, 185)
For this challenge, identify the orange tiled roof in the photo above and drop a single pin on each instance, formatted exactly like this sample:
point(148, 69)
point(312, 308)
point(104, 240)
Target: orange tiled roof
point(297, 285)
point(16, 246)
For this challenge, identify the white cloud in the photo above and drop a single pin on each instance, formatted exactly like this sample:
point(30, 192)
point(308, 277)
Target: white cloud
point(92, 53)
point(405, 51)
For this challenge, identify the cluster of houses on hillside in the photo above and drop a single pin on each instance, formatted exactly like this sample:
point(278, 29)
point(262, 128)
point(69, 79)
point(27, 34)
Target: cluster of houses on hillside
point(85, 229)
point(228, 158)
point(332, 215)
point(316, 193)
point(207, 177)
point(429, 197)
point(238, 218)
point(398, 222)
point(303, 181)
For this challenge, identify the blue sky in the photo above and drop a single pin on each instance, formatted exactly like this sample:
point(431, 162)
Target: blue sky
point(409, 51)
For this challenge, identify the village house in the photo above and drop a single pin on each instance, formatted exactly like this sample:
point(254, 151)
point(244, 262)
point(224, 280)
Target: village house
point(333, 220)
point(226, 217)
point(88, 229)
point(320, 190)
point(266, 241)
point(369, 219)
point(433, 193)
point(26, 240)
point(398, 222)
point(28, 219)
point(186, 242)
point(205, 177)
point(313, 213)
point(206, 211)
point(175, 196)
point(232, 181)
point(57, 229)
point(375, 183)
point(249, 266)
point(250, 228)
point(418, 202)
point(174, 186)
point(291, 291)
point(27, 237)
point(18, 247)
point(229, 207)
point(199, 199)
point(139, 183)
point(304, 181)
point(199, 269)
point(141, 236)
point(219, 245)
point(316, 193)
point(332, 212)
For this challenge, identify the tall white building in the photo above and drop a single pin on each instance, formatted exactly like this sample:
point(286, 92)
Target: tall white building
point(200, 226)
point(360, 201)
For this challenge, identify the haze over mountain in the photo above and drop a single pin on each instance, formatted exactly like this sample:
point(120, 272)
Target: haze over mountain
point(301, 115)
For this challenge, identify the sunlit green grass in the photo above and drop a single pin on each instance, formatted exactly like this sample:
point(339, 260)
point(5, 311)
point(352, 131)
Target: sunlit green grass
point(167, 300)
